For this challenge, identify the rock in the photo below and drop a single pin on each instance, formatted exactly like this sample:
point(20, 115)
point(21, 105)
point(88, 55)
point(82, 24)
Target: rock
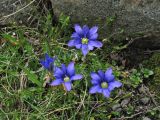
point(145, 100)
point(118, 110)
point(16, 11)
point(130, 16)
point(146, 118)
point(115, 107)
point(150, 40)
point(142, 90)
point(125, 102)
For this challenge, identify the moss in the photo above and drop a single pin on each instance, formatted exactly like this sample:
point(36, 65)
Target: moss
point(155, 83)
point(154, 64)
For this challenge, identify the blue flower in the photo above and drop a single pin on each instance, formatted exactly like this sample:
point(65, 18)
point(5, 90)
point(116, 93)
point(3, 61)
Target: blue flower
point(103, 82)
point(85, 38)
point(48, 62)
point(65, 75)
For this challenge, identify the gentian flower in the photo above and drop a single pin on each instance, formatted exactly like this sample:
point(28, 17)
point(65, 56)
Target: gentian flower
point(48, 62)
point(103, 82)
point(85, 39)
point(65, 75)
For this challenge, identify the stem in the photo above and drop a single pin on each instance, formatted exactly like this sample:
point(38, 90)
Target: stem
point(84, 59)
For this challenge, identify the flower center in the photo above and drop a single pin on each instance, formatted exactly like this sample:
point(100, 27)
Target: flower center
point(66, 79)
point(104, 85)
point(84, 41)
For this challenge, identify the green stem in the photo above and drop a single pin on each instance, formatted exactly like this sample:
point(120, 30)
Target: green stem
point(84, 59)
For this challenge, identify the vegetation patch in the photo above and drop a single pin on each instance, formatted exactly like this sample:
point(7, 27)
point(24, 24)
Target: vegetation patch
point(28, 86)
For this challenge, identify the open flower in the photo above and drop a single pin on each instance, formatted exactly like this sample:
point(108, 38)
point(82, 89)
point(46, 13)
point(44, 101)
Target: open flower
point(48, 62)
point(65, 75)
point(103, 82)
point(85, 39)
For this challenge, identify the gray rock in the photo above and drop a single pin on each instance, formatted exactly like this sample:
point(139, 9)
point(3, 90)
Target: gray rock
point(145, 100)
point(15, 11)
point(116, 106)
point(125, 102)
point(132, 16)
point(142, 90)
point(146, 118)
point(119, 110)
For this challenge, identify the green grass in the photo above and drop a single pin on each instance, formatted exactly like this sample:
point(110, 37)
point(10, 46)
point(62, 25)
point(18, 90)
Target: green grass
point(22, 95)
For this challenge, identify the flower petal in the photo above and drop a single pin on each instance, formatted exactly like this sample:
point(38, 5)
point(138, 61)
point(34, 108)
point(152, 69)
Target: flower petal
point(101, 74)
point(94, 81)
point(48, 62)
point(68, 86)
point(95, 89)
point(58, 73)
point(43, 63)
point(84, 49)
point(93, 30)
point(90, 47)
point(95, 76)
point(77, 41)
point(71, 43)
point(75, 36)
point(93, 36)
point(46, 56)
point(56, 82)
point(85, 30)
point(77, 77)
point(78, 46)
point(108, 75)
point(106, 93)
point(64, 69)
point(95, 43)
point(78, 29)
point(113, 85)
point(70, 69)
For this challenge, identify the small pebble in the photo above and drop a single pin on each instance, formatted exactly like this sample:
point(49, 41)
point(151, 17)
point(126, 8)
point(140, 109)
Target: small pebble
point(146, 118)
point(116, 106)
point(119, 110)
point(145, 100)
point(125, 102)
point(141, 89)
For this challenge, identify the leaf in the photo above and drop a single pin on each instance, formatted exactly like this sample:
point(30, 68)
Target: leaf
point(11, 39)
point(151, 72)
point(31, 76)
point(92, 118)
point(147, 72)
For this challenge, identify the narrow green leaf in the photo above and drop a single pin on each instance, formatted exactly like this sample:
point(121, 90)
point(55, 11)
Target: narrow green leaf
point(31, 76)
point(11, 39)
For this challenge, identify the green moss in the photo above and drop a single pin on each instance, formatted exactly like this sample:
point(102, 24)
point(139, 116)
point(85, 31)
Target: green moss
point(155, 83)
point(154, 64)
